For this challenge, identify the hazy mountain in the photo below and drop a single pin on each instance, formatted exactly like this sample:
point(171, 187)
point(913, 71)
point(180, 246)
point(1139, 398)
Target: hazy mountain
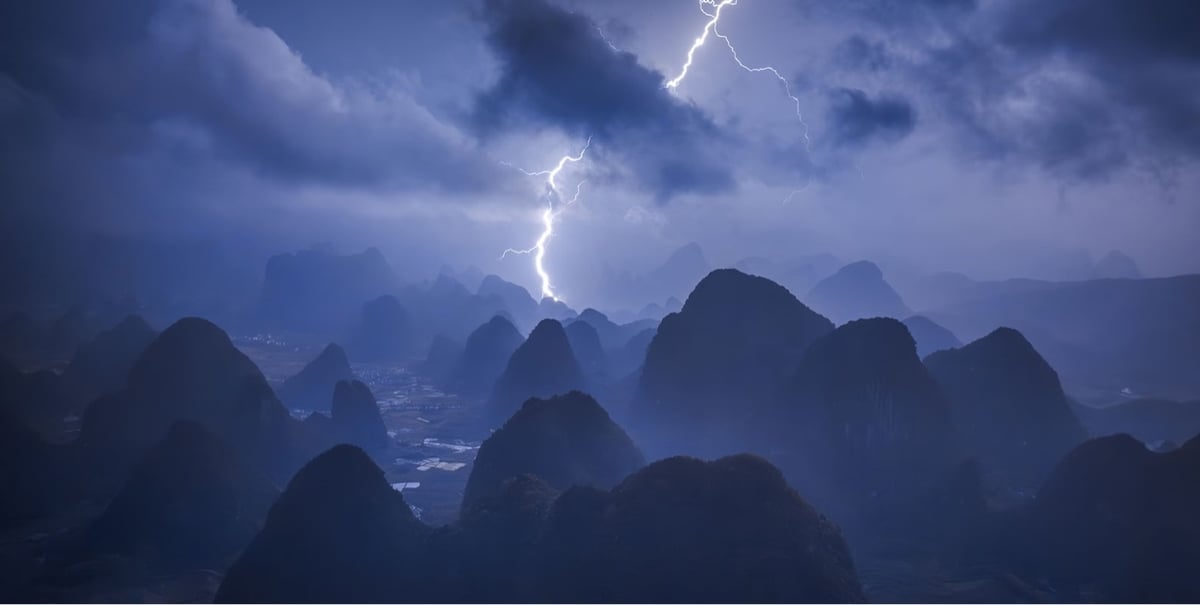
point(549, 308)
point(856, 291)
point(516, 299)
point(312, 387)
point(712, 372)
point(1116, 265)
point(1008, 406)
point(543, 366)
point(630, 357)
point(585, 343)
point(564, 440)
point(442, 359)
point(798, 276)
point(356, 416)
point(101, 365)
point(485, 356)
point(1151, 421)
point(191, 371)
point(1101, 335)
point(320, 290)
point(446, 307)
point(930, 336)
point(384, 331)
point(613, 336)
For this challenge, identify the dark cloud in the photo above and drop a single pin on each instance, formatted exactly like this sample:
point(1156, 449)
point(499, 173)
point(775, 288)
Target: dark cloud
point(857, 53)
point(1079, 88)
point(195, 77)
point(558, 71)
point(1144, 58)
point(855, 119)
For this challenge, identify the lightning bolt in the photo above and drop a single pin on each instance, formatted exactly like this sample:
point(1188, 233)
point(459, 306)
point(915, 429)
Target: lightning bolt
point(553, 195)
point(711, 27)
point(698, 42)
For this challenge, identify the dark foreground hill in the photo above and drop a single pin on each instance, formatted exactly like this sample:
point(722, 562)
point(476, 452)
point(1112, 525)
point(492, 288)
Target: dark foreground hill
point(678, 530)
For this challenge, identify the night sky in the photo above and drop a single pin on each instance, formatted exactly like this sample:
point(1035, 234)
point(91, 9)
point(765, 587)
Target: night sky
point(1000, 139)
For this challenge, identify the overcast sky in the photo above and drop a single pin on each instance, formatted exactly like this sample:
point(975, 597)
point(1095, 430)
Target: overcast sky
point(995, 138)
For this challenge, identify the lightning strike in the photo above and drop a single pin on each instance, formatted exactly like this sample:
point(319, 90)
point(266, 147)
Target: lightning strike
point(698, 42)
point(711, 27)
point(553, 195)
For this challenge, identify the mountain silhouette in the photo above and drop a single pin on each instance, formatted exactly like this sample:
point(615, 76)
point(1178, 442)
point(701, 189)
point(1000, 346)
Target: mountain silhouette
point(865, 407)
point(1115, 515)
point(101, 365)
point(516, 299)
point(191, 371)
point(311, 388)
point(585, 343)
point(190, 503)
point(684, 530)
point(319, 290)
point(338, 533)
point(1116, 265)
point(930, 337)
point(384, 331)
point(713, 370)
point(356, 416)
point(1008, 405)
point(544, 365)
point(564, 440)
point(856, 291)
point(485, 356)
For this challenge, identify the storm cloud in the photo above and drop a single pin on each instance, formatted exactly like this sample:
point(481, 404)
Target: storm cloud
point(557, 70)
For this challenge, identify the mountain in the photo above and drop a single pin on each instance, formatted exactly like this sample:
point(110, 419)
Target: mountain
point(101, 365)
point(679, 530)
point(585, 343)
point(319, 290)
point(35, 475)
point(1151, 421)
point(442, 359)
point(36, 400)
point(311, 388)
point(1101, 335)
point(868, 414)
point(676, 276)
point(630, 357)
point(856, 291)
point(1116, 265)
point(384, 331)
point(548, 308)
point(1116, 516)
point(516, 299)
point(446, 307)
point(797, 275)
point(191, 371)
point(712, 371)
point(613, 336)
point(338, 503)
point(564, 440)
point(1008, 405)
point(356, 416)
point(485, 356)
point(683, 530)
point(544, 365)
point(929, 336)
point(683, 267)
point(189, 504)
